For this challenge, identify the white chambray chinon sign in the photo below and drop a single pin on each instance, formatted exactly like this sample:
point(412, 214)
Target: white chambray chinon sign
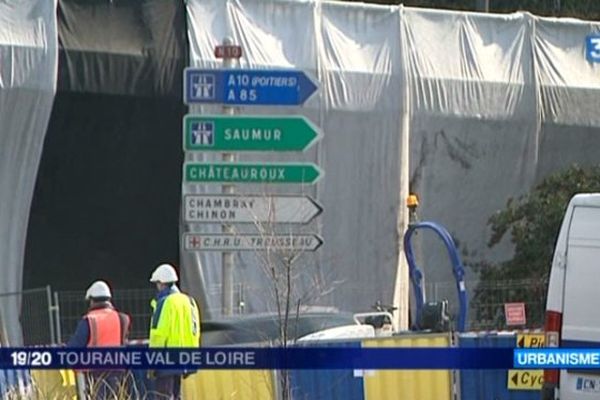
point(219, 208)
point(233, 133)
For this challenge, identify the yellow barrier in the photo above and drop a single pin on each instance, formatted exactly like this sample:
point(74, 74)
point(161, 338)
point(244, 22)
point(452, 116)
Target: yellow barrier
point(54, 384)
point(409, 384)
point(229, 384)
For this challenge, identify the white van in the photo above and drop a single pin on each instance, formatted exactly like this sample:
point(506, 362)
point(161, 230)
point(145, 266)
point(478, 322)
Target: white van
point(573, 307)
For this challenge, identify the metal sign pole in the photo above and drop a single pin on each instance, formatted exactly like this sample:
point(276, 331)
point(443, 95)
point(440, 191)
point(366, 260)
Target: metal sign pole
point(483, 5)
point(50, 314)
point(227, 257)
point(56, 309)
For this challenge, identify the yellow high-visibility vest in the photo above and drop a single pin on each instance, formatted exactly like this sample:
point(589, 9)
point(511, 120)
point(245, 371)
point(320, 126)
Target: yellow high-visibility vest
point(176, 322)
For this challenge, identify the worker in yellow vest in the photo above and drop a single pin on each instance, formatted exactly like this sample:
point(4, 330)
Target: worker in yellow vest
point(175, 323)
point(102, 326)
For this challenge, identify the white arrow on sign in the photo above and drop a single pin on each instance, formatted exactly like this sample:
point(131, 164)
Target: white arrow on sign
point(243, 242)
point(223, 208)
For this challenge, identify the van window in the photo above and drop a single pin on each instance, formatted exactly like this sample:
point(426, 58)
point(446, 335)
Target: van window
point(581, 313)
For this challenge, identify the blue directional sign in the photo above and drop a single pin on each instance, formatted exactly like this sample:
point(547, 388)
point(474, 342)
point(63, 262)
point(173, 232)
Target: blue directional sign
point(247, 87)
point(592, 48)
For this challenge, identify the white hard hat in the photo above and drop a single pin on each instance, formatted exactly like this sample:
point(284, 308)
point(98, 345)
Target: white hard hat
point(164, 273)
point(98, 289)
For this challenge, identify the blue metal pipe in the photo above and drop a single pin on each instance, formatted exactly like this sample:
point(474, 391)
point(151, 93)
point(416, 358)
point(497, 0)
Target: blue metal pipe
point(416, 276)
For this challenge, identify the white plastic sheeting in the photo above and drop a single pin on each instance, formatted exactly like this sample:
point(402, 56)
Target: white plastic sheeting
point(474, 123)
point(569, 91)
point(28, 71)
point(493, 104)
point(499, 103)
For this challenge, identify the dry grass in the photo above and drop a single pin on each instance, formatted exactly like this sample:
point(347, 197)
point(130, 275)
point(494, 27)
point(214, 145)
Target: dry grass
point(59, 390)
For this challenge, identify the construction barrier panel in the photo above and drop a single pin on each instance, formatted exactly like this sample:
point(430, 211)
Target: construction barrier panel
point(328, 384)
point(211, 384)
point(499, 384)
point(140, 386)
point(54, 384)
point(230, 385)
point(3, 383)
point(409, 384)
point(15, 384)
point(379, 384)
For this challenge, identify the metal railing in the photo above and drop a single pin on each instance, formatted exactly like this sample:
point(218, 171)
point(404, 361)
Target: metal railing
point(487, 299)
point(37, 315)
point(134, 302)
point(51, 317)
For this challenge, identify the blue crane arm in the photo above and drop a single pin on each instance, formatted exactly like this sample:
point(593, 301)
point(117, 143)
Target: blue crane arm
point(416, 276)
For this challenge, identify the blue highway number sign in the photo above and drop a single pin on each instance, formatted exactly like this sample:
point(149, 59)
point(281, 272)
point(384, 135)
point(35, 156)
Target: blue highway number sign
point(592, 48)
point(247, 87)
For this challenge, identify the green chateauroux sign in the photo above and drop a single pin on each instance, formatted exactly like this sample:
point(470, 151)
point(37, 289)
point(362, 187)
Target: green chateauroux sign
point(307, 173)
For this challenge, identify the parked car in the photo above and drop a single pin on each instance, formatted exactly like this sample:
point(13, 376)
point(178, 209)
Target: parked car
point(256, 329)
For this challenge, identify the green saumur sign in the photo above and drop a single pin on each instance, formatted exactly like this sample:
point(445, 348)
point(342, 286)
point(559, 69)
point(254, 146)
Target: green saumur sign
point(248, 133)
point(307, 173)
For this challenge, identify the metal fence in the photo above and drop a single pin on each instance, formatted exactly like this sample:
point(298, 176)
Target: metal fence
point(135, 302)
point(37, 315)
point(487, 299)
point(48, 318)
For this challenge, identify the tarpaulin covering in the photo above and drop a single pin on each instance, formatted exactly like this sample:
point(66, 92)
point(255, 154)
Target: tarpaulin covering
point(122, 47)
point(107, 198)
point(474, 122)
point(493, 104)
point(28, 65)
point(515, 103)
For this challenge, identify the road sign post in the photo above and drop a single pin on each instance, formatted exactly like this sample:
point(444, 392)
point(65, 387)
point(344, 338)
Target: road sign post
point(248, 133)
point(233, 87)
point(227, 257)
point(228, 51)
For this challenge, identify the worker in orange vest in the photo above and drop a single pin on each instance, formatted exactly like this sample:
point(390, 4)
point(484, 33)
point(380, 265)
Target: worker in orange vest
point(102, 326)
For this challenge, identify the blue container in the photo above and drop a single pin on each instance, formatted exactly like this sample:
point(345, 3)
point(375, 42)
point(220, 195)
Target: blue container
point(489, 384)
point(327, 384)
point(24, 376)
point(9, 380)
point(138, 383)
point(141, 384)
point(3, 383)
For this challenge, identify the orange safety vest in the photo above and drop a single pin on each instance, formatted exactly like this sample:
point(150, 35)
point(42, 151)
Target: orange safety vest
point(105, 328)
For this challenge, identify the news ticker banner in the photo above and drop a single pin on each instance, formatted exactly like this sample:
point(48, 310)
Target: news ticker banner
point(298, 358)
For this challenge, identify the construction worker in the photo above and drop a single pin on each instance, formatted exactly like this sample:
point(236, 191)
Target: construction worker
point(175, 323)
point(102, 326)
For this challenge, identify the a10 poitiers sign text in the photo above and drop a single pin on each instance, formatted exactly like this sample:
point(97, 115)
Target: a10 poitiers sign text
point(247, 87)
